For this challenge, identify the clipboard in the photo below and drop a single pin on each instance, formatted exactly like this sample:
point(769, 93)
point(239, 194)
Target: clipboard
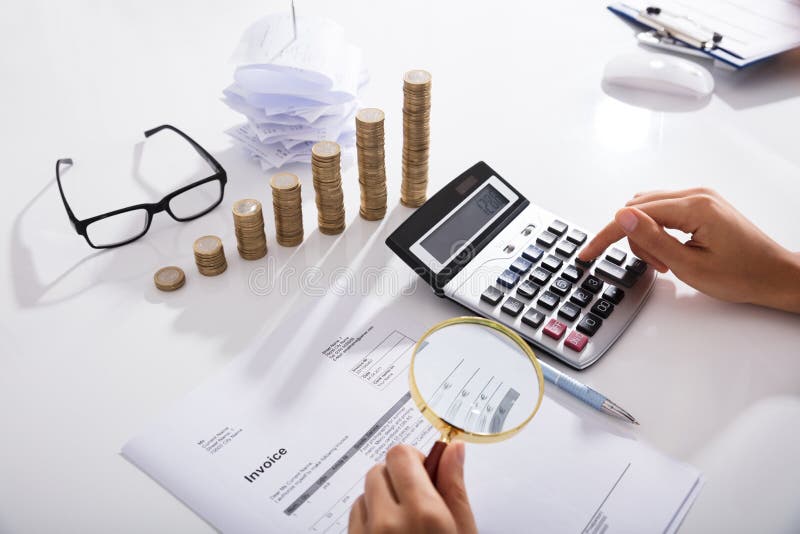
point(735, 36)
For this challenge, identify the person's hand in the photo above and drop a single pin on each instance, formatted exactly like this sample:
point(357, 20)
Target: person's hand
point(727, 256)
point(399, 496)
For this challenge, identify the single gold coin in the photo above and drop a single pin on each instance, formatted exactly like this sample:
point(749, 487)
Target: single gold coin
point(370, 115)
point(284, 180)
point(246, 206)
point(169, 278)
point(417, 76)
point(325, 149)
point(207, 245)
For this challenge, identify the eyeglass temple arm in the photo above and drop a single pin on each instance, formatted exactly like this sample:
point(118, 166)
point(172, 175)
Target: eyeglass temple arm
point(200, 150)
point(65, 161)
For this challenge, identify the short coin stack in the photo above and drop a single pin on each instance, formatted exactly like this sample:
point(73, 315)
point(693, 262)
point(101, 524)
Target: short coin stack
point(371, 163)
point(209, 255)
point(288, 206)
point(248, 224)
point(169, 278)
point(326, 168)
point(416, 137)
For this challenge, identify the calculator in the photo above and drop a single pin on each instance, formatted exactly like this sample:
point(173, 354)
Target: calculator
point(482, 244)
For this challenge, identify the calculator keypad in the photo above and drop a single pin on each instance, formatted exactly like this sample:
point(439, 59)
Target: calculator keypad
point(548, 300)
point(492, 295)
point(547, 239)
point(512, 306)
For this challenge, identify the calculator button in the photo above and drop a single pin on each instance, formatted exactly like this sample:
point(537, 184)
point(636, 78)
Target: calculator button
point(492, 295)
point(532, 253)
point(565, 248)
point(593, 284)
point(521, 266)
point(554, 329)
point(540, 276)
point(576, 341)
point(616, 255)
point(558, 227)
point(512, 306)
point(569, 311)
point(548, 300)
point(584, 264)
point(533, 318)
point(636, 266)
point(547, 239)
point(581, 297)
point(613, 294)
point(552, 264)
point(576, 236)
point(615, 273)
point(572, 273)
point(603, 308)
point(527, 289)
point(561, 287)
point(508, 279)
point(589, 324)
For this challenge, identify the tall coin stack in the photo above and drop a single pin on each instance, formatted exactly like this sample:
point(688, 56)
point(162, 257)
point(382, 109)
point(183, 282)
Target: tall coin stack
point(209, 255)
point(288, 206)
point(371, 163)
point(248, 224)
point(416, 137)
point(326, 168)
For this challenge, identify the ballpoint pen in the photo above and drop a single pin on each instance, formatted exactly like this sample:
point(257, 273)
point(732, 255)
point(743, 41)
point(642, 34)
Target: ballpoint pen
point(583, 392)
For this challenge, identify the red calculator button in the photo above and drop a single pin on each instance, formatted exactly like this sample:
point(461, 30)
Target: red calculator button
point(576, 341)
point(554, 329)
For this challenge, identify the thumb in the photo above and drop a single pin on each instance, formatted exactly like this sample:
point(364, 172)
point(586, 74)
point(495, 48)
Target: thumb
point(651, 237)
point(450, 483)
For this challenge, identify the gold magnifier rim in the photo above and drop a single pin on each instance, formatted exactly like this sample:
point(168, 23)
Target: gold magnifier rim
point(450, 431)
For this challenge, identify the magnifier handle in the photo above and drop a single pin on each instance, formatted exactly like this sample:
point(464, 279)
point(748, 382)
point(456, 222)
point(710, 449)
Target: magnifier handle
point(432, 461)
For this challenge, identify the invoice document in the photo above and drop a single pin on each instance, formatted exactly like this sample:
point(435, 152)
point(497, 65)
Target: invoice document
point(282, 439)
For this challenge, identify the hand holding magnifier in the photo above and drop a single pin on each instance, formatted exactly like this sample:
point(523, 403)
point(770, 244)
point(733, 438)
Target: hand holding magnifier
point(476, 380)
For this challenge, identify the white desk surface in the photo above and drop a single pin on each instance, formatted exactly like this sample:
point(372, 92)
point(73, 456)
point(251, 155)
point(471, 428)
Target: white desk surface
point(90, 351)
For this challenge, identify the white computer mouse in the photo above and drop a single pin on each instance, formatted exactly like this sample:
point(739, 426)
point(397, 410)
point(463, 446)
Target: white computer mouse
point(659, 72)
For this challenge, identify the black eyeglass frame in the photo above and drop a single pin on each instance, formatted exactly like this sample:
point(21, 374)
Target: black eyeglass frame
point(151, 208)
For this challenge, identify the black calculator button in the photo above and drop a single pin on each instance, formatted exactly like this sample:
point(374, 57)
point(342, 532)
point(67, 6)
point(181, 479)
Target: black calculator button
point(584, 264)
point(548, 300)
point(492, 295)
point(552, 264)
point(527, 289)
point(593, 284)
point(589, 324)
point(636, 266)
point(540, 276)
point(613, 294)
point(603, 308)
point(561, 287)
point(512, 306)
point(576, 236)
point(532, 253)
point(508, 279)
point(616, 255)
point(558, 227)
point(547, 239)
point(615, 273)
point(581, 297)
point(569, 311)
point(572, 273)
point(521, 266)
point(533, 318)
point(565, 248)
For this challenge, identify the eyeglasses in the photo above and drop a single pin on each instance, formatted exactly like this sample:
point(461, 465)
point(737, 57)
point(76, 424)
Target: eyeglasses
point(122, 226)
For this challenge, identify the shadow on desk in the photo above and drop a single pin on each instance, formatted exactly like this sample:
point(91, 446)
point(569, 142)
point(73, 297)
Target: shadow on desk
point(770, 81)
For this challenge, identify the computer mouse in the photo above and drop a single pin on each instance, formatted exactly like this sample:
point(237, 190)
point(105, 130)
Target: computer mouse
point(660, 72)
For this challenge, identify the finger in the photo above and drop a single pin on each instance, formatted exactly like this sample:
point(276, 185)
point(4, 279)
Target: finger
point(358, 517)
point(407, 474)
point(378, 491)
point(650, 196)
point(649, 236)
point(450, 483)
point(611, 233)
point(646, 257)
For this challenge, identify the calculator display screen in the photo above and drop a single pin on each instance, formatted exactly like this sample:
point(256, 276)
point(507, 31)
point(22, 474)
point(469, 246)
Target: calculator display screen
point(462, 225)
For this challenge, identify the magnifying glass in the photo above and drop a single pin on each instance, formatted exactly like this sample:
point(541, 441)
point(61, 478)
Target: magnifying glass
point(476, 380)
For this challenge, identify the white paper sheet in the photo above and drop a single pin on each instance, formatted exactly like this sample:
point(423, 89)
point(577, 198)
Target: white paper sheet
point(280, 442)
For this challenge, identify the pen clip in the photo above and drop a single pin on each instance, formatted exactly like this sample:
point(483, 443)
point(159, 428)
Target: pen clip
point(680, 27)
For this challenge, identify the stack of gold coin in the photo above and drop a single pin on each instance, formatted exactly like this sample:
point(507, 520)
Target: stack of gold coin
point(248, 224)
point(416, 137)
point(326, 168)
point(371, 163)
point(209, 255)
point(169, 278)
point(288, 206)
